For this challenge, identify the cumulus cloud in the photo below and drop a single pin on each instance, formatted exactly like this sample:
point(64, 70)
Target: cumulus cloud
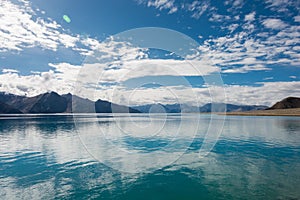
point(246, 69)
point(281, 6)
point(238, 3)
point(219, 18)
point(240, 52)
point(19, 29)
point(297, 18)
point(198, 8)
point(64, 76)
point(9, 71)
point(250, 17)
point(34, 84)
point(112, 49)
point(161, 5)
point(158, 67)
point(274, 23)
point(234, 5)
point(263, 94)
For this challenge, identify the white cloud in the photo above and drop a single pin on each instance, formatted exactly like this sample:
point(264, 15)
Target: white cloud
point(198, 8)
point(268, 78)
point(241, 52)
point(246, 69)
point(232, 27)
point(9, 71)
point(20, 30)
point(161, 5)
point(111, 49)
point(64, 76)
point(238, 3)
point(297, 18)
point(250, 17)
point(264, 94)
point(60, 79)
point(65, 71)
point(281, 6)
point(235, 5)
point(219, 18)
point(274, 24)
point(158, 67)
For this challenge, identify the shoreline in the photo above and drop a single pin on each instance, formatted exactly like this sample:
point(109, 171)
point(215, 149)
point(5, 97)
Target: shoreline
point(293, 112)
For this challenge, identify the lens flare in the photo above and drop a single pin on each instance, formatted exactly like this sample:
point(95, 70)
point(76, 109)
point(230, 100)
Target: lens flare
point(67, 18)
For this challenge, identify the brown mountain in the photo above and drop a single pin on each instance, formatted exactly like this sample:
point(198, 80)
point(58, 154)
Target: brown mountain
point(290, 102)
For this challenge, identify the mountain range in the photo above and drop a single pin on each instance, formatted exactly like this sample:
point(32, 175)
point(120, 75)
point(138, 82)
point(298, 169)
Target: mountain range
point(52, 102)
point(207, 108)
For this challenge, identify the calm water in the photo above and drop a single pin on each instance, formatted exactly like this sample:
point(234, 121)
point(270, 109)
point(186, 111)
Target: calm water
point(149, 157)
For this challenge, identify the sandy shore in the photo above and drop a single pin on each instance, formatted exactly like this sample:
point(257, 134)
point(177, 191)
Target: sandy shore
point(278, 112)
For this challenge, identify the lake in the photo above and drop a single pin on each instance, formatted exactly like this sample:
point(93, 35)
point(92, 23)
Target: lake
point(156, 156)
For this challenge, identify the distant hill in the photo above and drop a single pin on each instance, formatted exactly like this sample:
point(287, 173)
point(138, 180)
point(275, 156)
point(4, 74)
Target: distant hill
point(168, 108)
point(159, 108)
point(177, 108)
point(52, 102)
point(289, 102)
point(220, 107)
point(108, 107)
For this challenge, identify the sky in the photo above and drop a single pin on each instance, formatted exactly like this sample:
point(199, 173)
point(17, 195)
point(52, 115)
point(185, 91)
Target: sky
point(251, 48)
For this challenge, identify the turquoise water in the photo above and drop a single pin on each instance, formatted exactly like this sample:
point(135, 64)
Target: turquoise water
point(149, 157)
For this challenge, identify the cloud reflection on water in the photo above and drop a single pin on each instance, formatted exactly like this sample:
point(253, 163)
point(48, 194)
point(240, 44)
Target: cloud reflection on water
point(45, 158)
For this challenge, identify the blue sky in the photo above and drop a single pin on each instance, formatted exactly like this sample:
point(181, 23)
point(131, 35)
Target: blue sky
point(253, 45)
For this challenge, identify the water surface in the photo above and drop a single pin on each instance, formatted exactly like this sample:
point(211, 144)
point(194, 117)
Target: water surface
point(148, 157)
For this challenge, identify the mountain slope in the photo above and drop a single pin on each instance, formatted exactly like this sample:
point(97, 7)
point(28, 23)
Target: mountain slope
point(7, 109)
point(46, 103)
point(77, 104)
point(289, 102)
point(108, 107)
point(11, 99)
